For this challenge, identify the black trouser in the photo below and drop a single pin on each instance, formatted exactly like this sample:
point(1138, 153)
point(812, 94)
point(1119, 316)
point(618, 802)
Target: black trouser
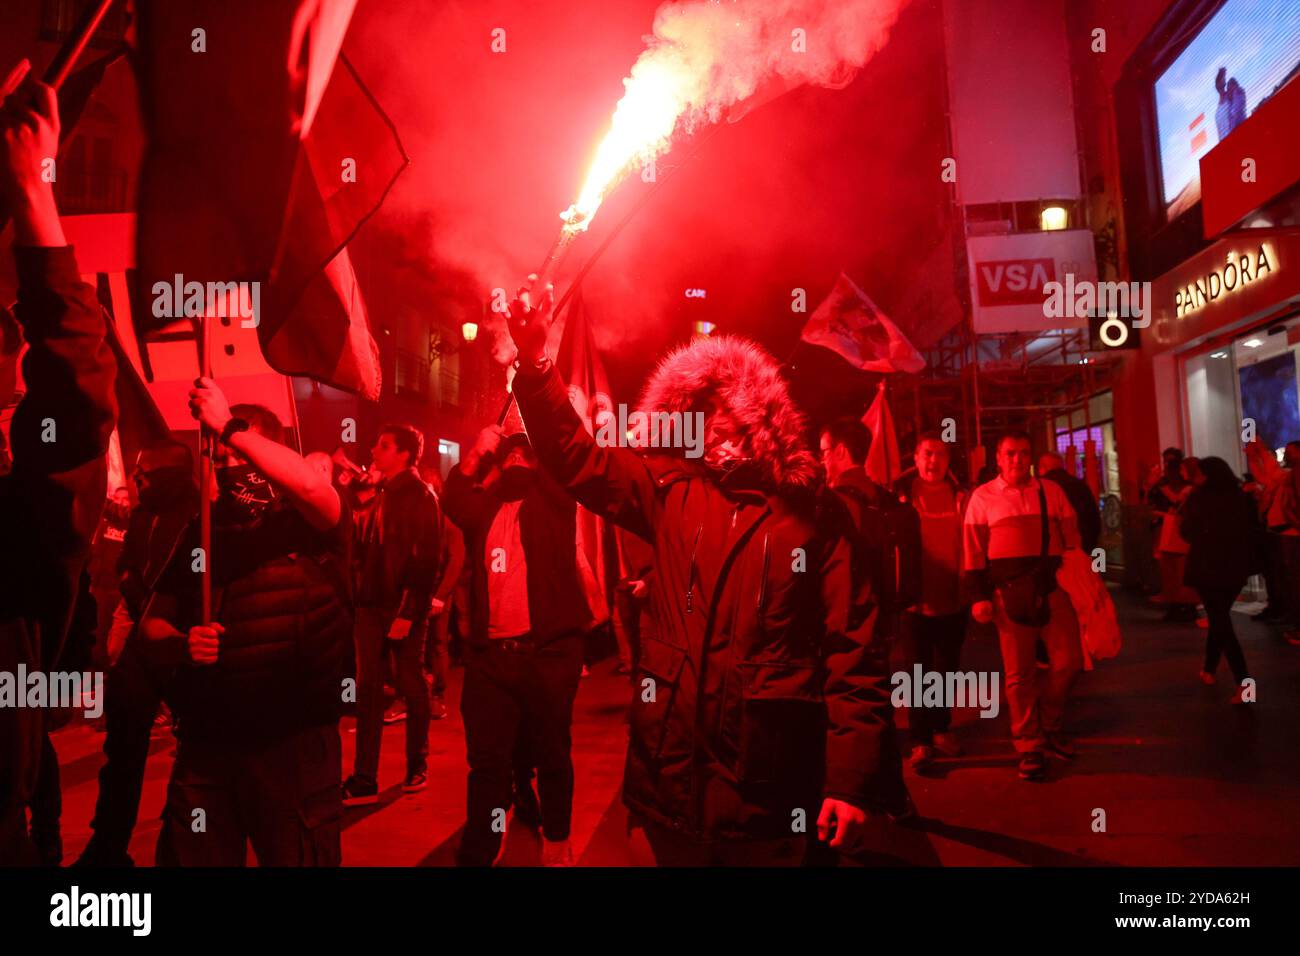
point(372, 625)
point(47, 807)
point(281, 795)
point(934, 642)
point(435, 630)
point(1221, 638)
point(132, 695)
point(511, 690)
point(22, 730)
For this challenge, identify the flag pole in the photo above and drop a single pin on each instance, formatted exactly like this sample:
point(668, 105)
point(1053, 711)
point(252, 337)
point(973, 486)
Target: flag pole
point(76, 43)
point(560, 250)
point(208, 442)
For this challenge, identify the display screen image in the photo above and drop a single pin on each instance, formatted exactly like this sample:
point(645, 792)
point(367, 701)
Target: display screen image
point(1245, 52)
point(1269, 397)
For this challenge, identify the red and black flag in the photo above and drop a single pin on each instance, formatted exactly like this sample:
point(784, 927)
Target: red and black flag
point(260, 167)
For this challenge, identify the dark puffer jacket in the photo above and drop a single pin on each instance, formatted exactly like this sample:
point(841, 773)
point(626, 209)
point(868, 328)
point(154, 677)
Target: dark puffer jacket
point(280, 591)
point(761, 690)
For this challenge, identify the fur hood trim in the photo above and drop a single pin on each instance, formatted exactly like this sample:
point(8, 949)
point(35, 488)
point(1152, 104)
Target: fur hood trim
point(747, 380)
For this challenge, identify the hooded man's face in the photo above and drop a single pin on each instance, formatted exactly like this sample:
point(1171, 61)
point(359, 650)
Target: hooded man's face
point(518, 473)
point(725, 441)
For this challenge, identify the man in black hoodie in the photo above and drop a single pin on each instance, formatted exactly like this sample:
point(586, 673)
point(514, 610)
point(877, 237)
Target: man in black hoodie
point(51, 500)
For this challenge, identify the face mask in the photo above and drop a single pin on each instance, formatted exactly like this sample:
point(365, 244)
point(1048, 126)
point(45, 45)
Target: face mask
point(515, 482)
point(725, 455)
point(242, 495)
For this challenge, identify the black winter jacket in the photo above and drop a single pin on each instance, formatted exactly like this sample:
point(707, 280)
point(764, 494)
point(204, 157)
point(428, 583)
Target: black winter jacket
point(557, 604)
point(762, 689)
point(280, 589)
point(399, 566)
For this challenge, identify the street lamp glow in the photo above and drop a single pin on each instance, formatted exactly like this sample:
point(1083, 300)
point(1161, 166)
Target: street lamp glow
point(469, 330)
point(1053, 218)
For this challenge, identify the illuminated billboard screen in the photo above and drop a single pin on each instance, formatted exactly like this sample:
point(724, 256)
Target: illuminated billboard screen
point(1243, 54)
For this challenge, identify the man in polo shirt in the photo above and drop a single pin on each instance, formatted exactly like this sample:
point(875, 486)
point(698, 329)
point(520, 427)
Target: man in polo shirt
point(1011, 557)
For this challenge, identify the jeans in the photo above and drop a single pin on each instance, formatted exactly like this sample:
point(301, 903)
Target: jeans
point(1037, 702)
point(934, 642)
point(282, 796)
point(371, 632)
point(512, 697)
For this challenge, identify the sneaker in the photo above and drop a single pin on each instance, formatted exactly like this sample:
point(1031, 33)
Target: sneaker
point(1033, 766)
point(415, 782)
point(948, 744)
point(1061, 747)
point(1292, 638)
point(358, 793)
point(557, 853)
point(1207, 678)
point(921, 757)
point(396, 712)
point(437, 709)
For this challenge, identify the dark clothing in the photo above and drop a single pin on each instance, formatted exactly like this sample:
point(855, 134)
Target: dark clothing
point(151, 537)
point(399, 549)
point(762, 689)
point(50, 502)
point(133, 691)
point(934, 642)
point(557, 603)
point(1079, 493)
point(371, 633)
point(1221, 529)
point(517, 695)
point(890, 531)
point(399, 561)
point(1221, 638)
point(281, 795)
point(280, 589)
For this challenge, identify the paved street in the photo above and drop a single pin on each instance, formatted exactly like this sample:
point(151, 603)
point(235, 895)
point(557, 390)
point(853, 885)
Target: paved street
point(1183, 778)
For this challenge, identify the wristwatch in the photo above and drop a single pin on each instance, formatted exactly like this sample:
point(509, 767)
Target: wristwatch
point(232, 426)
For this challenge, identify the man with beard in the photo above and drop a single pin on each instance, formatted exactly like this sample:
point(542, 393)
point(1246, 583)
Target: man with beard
point(257, 691)
point(399, 557)
point(761, 704)
point(523, 664)
point(168, 501)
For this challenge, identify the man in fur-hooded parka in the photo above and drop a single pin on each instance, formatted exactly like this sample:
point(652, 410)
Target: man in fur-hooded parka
point(762, 699)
